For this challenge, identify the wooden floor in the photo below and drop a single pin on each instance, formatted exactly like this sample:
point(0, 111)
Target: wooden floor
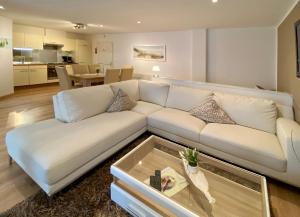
point(33, 104)
point(25, 106)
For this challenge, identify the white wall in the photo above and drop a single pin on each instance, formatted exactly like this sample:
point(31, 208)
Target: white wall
point(238, 56)
point(199, 50)
point(6, 62)
point(242, 56)
point(179, 52)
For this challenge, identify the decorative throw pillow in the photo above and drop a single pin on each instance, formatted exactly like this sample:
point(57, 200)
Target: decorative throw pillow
point(211, 112)
point(121, 102)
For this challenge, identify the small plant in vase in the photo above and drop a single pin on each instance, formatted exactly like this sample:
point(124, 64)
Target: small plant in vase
point(191, 156)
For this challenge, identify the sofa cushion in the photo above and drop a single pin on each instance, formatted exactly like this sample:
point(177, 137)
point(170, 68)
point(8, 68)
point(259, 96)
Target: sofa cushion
point(246, 143)
point(130, 87)
point(186, 98)
point(50, 150)
point(146, 108)
point(211, 112)
point(81, 103)
point(153, 92)
point(121, 102)
point(251, 112)
point(177, 122)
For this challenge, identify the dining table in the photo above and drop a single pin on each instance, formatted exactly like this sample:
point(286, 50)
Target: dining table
point(87, 79)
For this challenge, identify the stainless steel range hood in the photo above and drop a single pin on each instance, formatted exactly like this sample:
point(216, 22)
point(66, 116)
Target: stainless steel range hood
point(53, 46)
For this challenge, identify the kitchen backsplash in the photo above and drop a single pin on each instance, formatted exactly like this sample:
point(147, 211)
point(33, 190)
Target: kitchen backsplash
point(44, 56)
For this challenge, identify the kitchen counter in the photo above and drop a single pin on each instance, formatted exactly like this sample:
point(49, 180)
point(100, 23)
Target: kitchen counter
point(32, 73)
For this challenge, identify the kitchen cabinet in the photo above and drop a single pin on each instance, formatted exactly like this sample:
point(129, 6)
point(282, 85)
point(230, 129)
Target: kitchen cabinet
point(83, 52)
point(21, 75)
point(54, 37)
point(27, 40)
point(33, 41)
point(69, 44)
point(28, 37)
point(18, 39)
point(29, 75)
point(37, 74)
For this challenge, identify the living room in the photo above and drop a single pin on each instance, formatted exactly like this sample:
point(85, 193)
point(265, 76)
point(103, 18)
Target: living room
point(220, 76)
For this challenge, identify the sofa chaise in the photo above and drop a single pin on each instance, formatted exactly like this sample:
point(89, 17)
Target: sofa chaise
point(55, 152)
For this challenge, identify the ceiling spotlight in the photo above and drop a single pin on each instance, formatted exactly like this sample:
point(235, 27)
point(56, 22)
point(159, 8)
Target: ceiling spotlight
point(139, 22)
point(1, 7)
point(100, 25)
point(79, 26)
point(214, 1)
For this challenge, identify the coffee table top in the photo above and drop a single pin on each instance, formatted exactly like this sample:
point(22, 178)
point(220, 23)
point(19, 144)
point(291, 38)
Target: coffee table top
point(237, 191)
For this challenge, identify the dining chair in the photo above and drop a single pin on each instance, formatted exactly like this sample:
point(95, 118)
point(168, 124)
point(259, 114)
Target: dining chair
point(65, 82)
point(80, 69)
point(95, 68)
point(112, 76)
point(126, 74)
point(127, 66)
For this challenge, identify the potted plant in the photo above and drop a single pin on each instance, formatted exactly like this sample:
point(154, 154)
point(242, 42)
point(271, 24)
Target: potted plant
point(191, 156)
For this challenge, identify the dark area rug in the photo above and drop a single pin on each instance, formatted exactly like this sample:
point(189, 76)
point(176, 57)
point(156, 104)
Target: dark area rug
point(89, 196)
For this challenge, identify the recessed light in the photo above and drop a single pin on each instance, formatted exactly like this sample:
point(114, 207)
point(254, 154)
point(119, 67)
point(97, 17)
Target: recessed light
point(214, 1)
point(1, 7)
point(100, 26)
point(139, 22)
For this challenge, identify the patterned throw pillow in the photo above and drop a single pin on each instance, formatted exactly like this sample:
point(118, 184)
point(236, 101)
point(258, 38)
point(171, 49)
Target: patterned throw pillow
point(121, 102)
point(211, 112)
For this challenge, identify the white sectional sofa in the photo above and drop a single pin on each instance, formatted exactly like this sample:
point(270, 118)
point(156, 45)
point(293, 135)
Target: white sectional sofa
point(55, 152)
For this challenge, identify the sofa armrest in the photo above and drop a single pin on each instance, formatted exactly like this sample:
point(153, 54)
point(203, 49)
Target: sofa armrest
point(288, 133)
point(56, 108)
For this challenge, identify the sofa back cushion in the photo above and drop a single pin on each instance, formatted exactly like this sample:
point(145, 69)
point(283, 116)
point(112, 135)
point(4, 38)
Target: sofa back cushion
point(130, 87)
point(78, 104)
point(153, 92)
point(284, 101)
point(186, 98)
point(247, 111)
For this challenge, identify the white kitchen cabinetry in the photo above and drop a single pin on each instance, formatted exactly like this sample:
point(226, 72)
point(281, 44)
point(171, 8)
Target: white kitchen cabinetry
point(18, 39)
point(27, 40)
point(69, 44)
point(54, 36)
point(28, 37)
point(29, 75)
point(33, 41)
point(83, 52)
point(21, 75)
point(37, 74)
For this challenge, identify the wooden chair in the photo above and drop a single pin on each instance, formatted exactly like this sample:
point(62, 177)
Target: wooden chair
point(65, 82)
point(128, 66)
point(112, 76)
point(80, 69)
point(126, 74)
point(96, 68)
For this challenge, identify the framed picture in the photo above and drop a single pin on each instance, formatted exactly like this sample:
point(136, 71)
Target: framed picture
point(149, 52)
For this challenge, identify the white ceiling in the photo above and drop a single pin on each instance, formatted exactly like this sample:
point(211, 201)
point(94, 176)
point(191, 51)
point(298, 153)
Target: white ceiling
point(155, 15)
